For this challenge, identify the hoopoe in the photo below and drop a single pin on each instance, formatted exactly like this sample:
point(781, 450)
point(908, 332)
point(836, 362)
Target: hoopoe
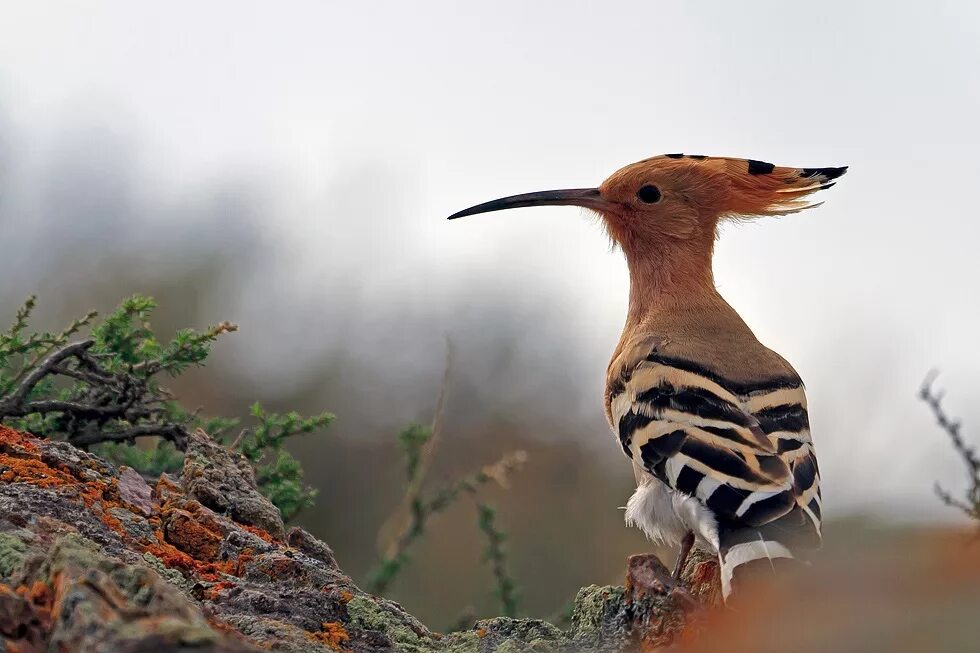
point(714, 422)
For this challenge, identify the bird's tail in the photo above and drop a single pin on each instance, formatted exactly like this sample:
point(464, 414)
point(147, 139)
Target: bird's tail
point(750, 554)
point(757, 553)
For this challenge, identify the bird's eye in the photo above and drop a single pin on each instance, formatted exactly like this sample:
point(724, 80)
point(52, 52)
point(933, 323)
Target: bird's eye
point(649, 194)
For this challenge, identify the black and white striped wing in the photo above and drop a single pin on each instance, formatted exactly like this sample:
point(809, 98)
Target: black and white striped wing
point(744, 453)
point(782, 415)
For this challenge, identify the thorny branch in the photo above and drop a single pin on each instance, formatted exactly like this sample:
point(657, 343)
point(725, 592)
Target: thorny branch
point(124, 397)
point(971, 504)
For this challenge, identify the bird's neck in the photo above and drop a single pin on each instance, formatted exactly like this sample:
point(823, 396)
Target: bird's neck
point(670, 276)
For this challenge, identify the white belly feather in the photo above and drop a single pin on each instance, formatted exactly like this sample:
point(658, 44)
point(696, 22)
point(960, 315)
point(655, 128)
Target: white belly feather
point(666, 515)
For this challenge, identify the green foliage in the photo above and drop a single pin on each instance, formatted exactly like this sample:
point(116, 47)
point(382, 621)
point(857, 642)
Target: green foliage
point(412, 439)
point(20, 353)
point(282, 481)
point(105, 392)
point(418, 508)
point(157, 458)
point(277, 472)
point(273, 430)
point(385, 572)
point(125, 334)
point(495, 554)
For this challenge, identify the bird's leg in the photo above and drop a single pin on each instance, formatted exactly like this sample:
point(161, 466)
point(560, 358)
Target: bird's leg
point(686, 545)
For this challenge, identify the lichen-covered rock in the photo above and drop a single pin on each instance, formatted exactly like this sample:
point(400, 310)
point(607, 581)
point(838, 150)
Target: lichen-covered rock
point(225, 482)
point(601, 620)
point(299, 538)
point(12, 549)
point(93, 559)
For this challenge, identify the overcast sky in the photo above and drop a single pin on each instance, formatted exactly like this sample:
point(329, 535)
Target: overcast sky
point(369, 122)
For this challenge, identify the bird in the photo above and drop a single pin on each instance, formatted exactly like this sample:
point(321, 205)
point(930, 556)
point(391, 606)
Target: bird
point(714, 422)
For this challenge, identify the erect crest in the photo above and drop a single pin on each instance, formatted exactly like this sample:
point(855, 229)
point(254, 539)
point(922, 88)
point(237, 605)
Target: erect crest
point(761, 188)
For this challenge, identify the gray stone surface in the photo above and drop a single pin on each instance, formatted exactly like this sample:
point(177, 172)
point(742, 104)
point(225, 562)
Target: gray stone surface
point(93, 559)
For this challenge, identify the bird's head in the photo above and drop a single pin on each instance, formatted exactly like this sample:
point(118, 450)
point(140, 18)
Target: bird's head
point(671, 199)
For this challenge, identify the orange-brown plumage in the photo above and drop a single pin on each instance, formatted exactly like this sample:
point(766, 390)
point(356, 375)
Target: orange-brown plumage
point(714, 422)
point(669, 244)
point(696, 193)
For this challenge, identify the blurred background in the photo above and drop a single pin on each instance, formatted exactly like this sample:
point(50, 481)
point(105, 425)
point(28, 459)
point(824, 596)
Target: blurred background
point(289, 167)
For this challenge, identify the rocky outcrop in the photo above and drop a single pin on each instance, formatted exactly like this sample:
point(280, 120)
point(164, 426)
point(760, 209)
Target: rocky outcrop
point(92, 558)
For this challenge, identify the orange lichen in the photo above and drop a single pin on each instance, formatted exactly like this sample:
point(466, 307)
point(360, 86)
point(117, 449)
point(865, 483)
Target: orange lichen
point(213, 592)
point(333, 635)
point(254, 530)
point(481, 632)
point(17, 440)
point(39, 594)
point(57, 592)
point(194, 529)
point(174, 558)
point(21, 463)
point(21, 469)
point(243, 558)
point(192, 535)
point(17, 619)
point(164, 488)
point(276, 567)
point(346, 596)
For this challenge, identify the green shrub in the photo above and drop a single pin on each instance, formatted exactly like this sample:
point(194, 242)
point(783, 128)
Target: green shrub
point(104, 391)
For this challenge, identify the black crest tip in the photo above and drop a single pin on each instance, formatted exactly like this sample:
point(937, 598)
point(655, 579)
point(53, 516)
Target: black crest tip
point(826, 173)
point(760, 167)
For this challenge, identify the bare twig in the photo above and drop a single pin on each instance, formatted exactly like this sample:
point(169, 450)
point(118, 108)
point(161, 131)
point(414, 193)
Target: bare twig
point(971, 504)
point(238, 439)
point(400, 521)
point(435, 435)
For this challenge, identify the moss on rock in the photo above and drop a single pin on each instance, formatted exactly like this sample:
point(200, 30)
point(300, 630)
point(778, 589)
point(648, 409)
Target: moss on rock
point(203, 564)
point(12, 550)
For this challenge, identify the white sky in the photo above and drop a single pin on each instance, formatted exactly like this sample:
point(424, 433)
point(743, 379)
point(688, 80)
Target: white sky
point(447, 104)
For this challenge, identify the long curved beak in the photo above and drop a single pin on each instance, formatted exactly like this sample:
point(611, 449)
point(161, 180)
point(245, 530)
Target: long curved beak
point(587, 197)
